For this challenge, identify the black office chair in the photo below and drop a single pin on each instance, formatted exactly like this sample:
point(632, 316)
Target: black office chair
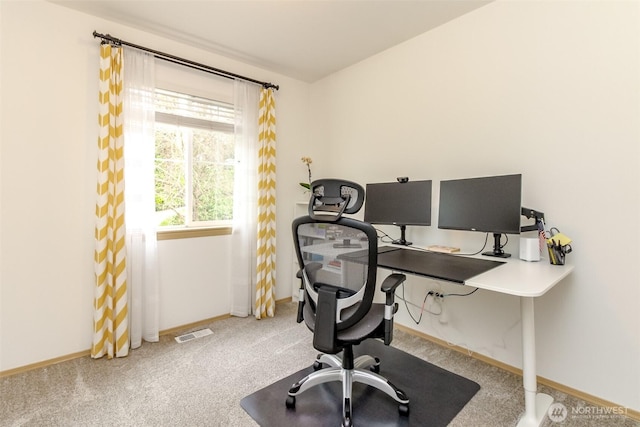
point(337, 257)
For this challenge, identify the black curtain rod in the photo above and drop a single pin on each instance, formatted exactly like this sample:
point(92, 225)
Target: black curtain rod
point(107, 38)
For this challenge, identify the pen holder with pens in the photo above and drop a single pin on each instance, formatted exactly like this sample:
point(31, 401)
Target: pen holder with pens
point(558, 246)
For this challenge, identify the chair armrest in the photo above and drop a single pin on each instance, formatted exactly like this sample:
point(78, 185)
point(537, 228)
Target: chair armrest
point(389, 285)
point(311, 270)
point(392, 281)
point(300, 315)
point(324, 331)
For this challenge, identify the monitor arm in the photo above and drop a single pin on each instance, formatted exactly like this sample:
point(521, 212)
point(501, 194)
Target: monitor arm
point(530, 213)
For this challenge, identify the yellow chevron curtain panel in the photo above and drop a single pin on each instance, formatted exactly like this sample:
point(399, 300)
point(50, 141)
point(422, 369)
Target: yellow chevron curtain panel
point(110, 333)
point(266, 250)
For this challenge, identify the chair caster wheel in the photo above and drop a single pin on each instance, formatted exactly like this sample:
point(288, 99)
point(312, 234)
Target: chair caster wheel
point(403, 409)
point(317, 365)
point(375, 368)
point(291, 402)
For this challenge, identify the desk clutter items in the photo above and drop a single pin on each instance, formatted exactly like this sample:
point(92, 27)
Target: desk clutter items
point(530, 249)
point(558, 246)
point(443, 249)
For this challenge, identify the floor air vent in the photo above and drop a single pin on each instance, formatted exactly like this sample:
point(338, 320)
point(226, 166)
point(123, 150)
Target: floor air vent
point(193, 335)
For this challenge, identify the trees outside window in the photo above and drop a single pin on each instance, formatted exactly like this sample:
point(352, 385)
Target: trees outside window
point(194, 167)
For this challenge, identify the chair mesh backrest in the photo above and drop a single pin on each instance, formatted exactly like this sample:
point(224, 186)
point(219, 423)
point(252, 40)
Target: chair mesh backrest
point(340, 253)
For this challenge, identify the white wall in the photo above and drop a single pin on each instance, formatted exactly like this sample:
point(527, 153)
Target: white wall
point(547, 89)
point(530, 87)
point(49, 86)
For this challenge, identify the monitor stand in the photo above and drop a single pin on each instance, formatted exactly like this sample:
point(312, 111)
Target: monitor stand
point(402, 240)
point(497, 250)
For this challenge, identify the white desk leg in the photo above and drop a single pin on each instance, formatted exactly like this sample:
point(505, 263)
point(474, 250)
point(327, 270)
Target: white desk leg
point(536, 404)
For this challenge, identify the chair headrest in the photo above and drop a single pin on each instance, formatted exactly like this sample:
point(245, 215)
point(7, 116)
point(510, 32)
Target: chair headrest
point(334, 197)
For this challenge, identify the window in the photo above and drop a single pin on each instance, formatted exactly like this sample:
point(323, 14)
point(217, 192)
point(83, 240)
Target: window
point(194, 165)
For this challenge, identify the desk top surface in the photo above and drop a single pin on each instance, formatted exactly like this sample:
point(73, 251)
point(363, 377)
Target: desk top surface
point(511, 276)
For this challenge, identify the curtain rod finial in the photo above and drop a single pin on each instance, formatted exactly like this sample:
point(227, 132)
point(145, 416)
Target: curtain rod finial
point(107, 38)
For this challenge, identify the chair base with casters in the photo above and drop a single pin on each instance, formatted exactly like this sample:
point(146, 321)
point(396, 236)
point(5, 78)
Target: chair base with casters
point(348, 371)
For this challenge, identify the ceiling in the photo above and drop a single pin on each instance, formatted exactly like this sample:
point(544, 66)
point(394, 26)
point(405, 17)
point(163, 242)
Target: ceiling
point(303, 39)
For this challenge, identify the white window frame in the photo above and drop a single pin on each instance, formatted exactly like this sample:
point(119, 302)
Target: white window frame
point(185, 125)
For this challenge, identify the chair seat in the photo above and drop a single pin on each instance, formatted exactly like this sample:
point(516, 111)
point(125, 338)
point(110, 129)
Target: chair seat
point(364, 329)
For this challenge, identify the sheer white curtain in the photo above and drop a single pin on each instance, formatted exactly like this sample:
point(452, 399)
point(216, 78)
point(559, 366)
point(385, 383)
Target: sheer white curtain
point(245, 210)
point(139, 157)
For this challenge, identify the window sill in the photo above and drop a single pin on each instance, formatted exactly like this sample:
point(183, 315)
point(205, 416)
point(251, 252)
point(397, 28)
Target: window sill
point(190, 233)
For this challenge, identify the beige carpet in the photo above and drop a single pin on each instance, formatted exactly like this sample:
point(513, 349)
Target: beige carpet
point(201, 382)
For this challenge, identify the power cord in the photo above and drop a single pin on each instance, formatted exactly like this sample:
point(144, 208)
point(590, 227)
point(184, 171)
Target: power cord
point(406, 304)
point(458, 295)
point(434, 294)
point(486, 239)
point(384, 235)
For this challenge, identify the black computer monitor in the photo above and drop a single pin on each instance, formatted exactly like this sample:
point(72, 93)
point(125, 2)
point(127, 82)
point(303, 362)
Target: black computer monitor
point(399, 203)
point(489, 204)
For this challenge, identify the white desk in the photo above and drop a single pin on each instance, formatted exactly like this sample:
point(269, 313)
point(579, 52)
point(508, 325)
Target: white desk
point(526, 280)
